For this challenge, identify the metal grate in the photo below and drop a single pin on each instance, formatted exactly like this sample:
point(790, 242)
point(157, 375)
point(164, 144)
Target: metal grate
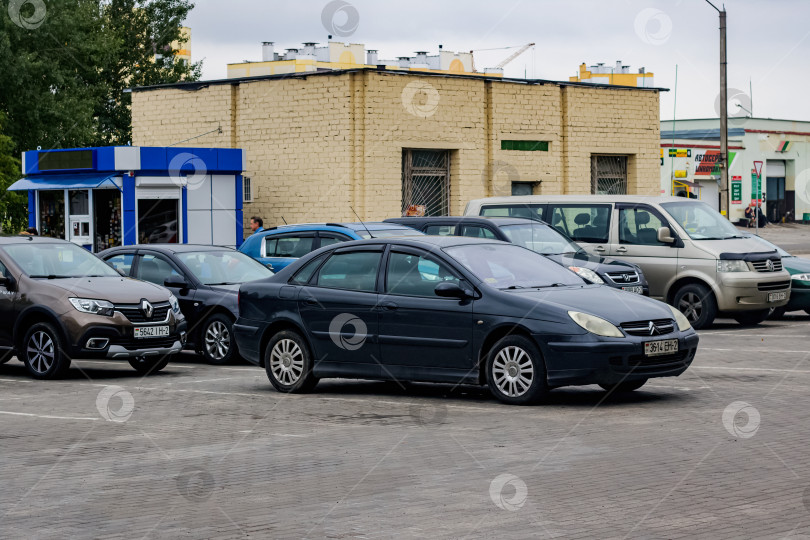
point(763, 266)
point(425, 182)
point(247, 190)
point(657, 327)
point(623, 278)
point(609, 175)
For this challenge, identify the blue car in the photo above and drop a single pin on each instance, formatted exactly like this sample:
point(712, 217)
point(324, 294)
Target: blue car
point(277, 247)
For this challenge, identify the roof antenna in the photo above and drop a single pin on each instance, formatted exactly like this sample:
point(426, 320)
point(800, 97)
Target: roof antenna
point(361, 223)
point(284, 220)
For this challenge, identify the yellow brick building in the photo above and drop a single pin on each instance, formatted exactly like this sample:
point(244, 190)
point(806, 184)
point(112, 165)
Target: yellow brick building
point(320, 144)
point(619, 74)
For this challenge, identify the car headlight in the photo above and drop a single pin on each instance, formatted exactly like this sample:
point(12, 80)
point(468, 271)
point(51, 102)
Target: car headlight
point(595, 325)
point(731, 266)
point(175, 304)
point(91, 305)
point(587, 274)
point(800, 277)
point(680, 318)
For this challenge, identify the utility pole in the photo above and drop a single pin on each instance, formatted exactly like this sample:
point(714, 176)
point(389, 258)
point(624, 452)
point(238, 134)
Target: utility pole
point(723, 114)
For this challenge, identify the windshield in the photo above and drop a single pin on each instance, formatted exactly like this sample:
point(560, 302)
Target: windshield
point(223, 267)
point(780, 251)
point(385, 233)
point(701, 221)
point(507, 266)
point(54, 261)
point(539, 238)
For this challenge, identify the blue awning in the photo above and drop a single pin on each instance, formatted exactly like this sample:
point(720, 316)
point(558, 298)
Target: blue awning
point(63, 181)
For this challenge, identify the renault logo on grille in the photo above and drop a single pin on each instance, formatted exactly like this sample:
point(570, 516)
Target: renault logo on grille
point(147, 309)
point(769, 264)
point(654, 331)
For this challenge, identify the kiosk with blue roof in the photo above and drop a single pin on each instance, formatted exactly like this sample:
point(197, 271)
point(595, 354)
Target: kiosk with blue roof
point(122, 195)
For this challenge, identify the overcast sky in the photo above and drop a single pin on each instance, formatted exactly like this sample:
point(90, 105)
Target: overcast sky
point(768, 41)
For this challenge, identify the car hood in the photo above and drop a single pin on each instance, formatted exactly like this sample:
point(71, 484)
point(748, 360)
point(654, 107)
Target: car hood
point(729, 246)
point(118, 290)
point(614, 305)
point(587, 260)
point(796, 265)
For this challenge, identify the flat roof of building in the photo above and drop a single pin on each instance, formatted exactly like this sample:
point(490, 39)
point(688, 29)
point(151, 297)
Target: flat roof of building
point(197, 85)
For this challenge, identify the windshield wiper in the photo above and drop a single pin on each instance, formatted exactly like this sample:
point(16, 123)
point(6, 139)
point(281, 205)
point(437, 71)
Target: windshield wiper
point(224, 283)
point(536, 286)
point(51, 276)
point(515, 287)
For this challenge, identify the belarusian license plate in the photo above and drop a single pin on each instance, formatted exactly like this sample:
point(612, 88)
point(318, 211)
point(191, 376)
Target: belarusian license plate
point(151, 331)
point(637, 289)
point(664, 346)
point(776, 296)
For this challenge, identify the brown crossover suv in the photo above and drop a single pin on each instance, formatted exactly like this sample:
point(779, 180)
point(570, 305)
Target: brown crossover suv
point(58, 302)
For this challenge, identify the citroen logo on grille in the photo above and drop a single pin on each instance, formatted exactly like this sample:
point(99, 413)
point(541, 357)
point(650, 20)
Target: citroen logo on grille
point(654, 331)
point(769, 264)
point(147, 309)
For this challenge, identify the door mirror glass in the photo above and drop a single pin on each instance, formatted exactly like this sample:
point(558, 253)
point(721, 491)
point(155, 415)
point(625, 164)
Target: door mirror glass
point(665, 235)
point(448, 289)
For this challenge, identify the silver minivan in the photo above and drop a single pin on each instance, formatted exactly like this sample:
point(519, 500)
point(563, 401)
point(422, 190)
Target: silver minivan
point(693, 257)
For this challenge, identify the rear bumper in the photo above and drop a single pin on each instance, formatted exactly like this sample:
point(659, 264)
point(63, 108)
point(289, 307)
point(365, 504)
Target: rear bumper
point(248, 336)
point(600, 362)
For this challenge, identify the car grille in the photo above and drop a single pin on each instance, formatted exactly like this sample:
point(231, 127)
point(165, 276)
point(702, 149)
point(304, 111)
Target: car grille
point(774, 286)
point(623, 278)
point(762, 266)
point(642, 328)
point(134, 314)
point(132, 344)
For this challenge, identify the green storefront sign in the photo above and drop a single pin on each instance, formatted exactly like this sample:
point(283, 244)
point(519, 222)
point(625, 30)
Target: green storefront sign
point(736, 190)
point(756, 186)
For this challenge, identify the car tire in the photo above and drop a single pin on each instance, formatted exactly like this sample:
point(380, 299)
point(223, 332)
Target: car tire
point(776, 313)
point(516, 372)
point(624, 386)
point(752, 318)
point(150, 366)
point(288, 363)
point(218, 344)
point(43, 353)
point(697, 303)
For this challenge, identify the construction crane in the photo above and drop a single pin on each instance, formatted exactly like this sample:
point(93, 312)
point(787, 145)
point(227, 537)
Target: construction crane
point(514, 55)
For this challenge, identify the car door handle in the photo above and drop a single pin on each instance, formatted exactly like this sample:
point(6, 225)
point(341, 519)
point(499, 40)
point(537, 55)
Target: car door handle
point(389, 306)
point(599, 248)
point(621, 250)
point(309, 301)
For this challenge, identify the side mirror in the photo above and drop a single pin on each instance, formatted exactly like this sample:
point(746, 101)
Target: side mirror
point(665, 235)
point(448, 289)
point(177, 282)
point(8, 282)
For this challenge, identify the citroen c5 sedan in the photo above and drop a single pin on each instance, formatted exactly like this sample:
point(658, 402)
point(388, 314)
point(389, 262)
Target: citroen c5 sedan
point(454, 310)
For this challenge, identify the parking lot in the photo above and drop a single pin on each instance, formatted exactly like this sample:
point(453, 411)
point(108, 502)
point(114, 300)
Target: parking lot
point(205, 451)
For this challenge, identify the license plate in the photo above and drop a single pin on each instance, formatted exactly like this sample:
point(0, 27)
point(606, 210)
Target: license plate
point(637, 289)
point(664, 346)
point(151, 331)
point(776, 296)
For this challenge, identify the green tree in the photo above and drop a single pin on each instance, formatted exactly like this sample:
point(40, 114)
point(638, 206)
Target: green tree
point(63, 76)
point(13, 207)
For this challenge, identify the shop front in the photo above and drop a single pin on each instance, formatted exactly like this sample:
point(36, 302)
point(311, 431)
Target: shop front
point(110, 196)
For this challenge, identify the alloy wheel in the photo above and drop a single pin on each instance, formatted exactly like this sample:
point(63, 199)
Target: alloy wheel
point(287, 361)
point(513, 371)
point(691, 306)
point(217, 340)
point(41, 352)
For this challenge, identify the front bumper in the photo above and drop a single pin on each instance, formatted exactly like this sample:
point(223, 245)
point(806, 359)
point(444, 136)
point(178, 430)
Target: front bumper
point(610, 362)
point(748, 291)
point(799, 299)
point(119, 343)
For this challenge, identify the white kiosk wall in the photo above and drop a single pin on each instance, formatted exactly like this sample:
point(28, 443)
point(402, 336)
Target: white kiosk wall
point(212, 210)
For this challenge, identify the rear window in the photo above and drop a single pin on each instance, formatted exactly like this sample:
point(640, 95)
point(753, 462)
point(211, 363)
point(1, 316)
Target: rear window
point(385, 233)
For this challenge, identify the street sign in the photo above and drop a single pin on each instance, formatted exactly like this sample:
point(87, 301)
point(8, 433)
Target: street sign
point(758, 168)
point(736, 190)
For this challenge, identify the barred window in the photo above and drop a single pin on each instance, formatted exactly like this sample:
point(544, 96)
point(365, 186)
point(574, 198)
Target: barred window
point(247, 191)
point(609, 175)
point(425, 182)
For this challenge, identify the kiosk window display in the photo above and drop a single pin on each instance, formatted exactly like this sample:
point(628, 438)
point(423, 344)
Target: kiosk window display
point(121, 195)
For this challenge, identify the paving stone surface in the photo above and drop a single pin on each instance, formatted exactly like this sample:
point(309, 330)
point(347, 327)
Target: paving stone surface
point(201, 451)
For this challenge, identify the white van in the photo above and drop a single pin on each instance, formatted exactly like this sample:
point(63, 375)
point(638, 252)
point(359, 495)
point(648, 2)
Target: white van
point(693, 257)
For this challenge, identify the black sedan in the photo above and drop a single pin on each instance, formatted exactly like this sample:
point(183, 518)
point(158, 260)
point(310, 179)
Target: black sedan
point(540, 237)
point(454, 310)
point(205, 280)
